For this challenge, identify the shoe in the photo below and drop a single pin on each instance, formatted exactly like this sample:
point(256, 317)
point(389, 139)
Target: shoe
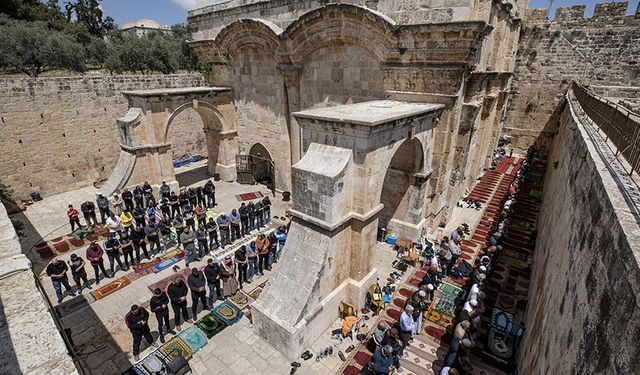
point(162, 340)
point(342, 357)
point(178, 328)
point(293, 370)
point(171, 332)
point(349, 349)
point(190, 321)
point(295, 364)
point(175, 268)
point(306, 355)
point(59, 300)
point(330, 350)
point(136, 357)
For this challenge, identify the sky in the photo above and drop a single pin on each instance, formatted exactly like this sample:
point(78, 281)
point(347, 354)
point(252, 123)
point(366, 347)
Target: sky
point(169, 12)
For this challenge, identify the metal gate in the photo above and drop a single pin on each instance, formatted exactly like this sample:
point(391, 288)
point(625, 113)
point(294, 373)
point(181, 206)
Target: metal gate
point(245, 170)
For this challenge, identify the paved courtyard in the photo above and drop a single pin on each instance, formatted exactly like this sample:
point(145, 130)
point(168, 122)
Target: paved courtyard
point(98, 331)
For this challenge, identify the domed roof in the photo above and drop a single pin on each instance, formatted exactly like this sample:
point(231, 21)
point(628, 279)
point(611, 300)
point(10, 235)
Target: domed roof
point(144, 22)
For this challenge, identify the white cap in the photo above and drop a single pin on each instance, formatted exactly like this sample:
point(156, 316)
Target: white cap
point(422, 294)
point(473, 303)
point(483, 269)
point(430, 286)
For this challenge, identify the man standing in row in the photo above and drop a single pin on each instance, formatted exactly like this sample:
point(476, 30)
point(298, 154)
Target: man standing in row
point(197, 283)
point(138, 322)
point(103, 206)
point(94, 256)
point(74, 220)
point(57, 270)
point(160, 307)
point(212, 273)
point(78, 272)
point(177, 292)
point(89, 212)
point(187, 239)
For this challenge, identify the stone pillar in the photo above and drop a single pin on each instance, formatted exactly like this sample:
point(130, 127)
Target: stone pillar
point(291, 76)
point(228, 149)
point(336, 190)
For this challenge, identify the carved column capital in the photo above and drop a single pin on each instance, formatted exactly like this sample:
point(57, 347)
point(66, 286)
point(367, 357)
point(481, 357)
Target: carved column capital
point(290, 74)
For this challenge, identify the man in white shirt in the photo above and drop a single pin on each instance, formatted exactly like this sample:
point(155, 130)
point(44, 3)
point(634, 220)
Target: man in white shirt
point(114, 223)
point(407, 325)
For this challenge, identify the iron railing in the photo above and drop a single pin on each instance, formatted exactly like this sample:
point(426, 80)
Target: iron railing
point(618, 124)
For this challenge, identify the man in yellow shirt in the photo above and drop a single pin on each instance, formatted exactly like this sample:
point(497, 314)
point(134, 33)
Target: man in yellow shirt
point(127, 219)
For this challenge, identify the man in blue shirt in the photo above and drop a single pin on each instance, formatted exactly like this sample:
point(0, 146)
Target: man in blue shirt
point(382, 360)
point(281, 235)
point(407, 325)
point(223, 227)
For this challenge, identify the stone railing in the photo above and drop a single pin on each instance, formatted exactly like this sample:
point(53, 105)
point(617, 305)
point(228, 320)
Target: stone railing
point(619, 125)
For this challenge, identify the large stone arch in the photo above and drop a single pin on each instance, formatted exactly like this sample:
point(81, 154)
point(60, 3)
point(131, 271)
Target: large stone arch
point(145, 151)
point(343, 23)
point(250, 33)
point(336, 207)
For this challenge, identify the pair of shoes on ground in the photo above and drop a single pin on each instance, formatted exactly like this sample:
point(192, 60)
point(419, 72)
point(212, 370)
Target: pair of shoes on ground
point(306, 355)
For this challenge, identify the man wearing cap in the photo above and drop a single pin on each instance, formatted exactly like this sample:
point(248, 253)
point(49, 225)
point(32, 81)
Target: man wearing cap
point(74, 220)
point(419, 306)
point(177, 292)
point(137, 320)
point(78, 272)
point(460, 357)
point(57, 271)
point(212, 273)
point(159, 305)
point(103, 207)
point(223, 227)
point(460, 333)
point(197, 283)
point(187, 239)
point(407, 325)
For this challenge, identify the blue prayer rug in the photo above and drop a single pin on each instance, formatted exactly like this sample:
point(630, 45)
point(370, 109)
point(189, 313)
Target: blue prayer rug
point(194, 337)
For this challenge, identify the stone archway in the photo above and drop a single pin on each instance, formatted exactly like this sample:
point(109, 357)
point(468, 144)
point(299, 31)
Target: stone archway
point(262, 167)
point(145, 151)
point(336, 209)
point(402, 191)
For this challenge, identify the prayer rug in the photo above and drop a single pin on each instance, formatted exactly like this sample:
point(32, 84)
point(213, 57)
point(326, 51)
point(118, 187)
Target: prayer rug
point(74, 304)
point(393, 314)
point(172, 253)
point(111, 288)
point(451, 290)
point(446, 305)
point(174, 347)
point(133, 276)
point(194, 337)
point(228, 312)
point(240, 299)
point(146, 266)
point(44, 250)
point(211, 325)
point(151, 364)
point(164, 283)
point(249, 196)
point(440, 318)
point(351, 370)
point(399, 303)
point(247, 313)
point(405, 292)
point(362, 358)
point(255, 293)
point(437, 334)
point(165, 264)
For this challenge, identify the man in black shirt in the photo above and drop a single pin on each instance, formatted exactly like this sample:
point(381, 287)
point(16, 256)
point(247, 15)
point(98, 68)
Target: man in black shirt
point(112, 248)
point(127, 198)
point(57, 270)
point(210, 192)
point(137, 237)
point(200, 195)
point(78, 272)
point(153, 236)
point(212, 273)
point(197, 283)
point(165, 190)
point(241, 260)
point(138, 216)
point(164, 206)
point(244, 218)
point(89, 212)
point(137, 320)
point(184, 200)
point(160, 307)
point(212, 229)
point(147, 191)
point(177, 292)
point(259, 212)
point(138, 196)
point(103, 206)
point(174, 203)
point(251, 211)
point(126, 245)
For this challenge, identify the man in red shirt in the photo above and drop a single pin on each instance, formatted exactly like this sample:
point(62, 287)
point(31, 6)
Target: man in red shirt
point(74, 219)
point(94, 256)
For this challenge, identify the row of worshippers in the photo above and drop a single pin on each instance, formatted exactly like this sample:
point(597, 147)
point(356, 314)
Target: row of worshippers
point(125, 249)
point(216, 277)
point(469, 318)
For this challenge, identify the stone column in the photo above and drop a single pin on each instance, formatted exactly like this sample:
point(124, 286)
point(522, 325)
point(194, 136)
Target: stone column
point(291, 76)
point(227, 150)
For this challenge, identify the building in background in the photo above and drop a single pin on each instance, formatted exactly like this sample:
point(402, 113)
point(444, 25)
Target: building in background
point(143, 27)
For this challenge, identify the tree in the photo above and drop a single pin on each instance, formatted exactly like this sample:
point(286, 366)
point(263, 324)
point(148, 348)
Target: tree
point(88, 12)
point(34, 10)
point(32, 48)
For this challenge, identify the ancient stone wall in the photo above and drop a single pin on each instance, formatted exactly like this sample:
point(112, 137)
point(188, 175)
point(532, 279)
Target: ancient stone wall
point(186, 134)
point(208, 20)
point(602, 50)
point(583, 315)
point(29, 339)
point(59, 134)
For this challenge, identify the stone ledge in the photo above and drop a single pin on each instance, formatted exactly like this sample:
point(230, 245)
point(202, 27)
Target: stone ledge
point(334, 226)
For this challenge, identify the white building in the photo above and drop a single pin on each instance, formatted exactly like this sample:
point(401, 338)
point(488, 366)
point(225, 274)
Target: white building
point(144, 26)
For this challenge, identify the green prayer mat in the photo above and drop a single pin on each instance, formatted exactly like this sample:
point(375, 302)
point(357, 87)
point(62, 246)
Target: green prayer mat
point(211, 325)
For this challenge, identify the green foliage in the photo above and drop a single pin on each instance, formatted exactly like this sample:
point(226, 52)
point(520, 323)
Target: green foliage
point(88, 13)
point(32, 47)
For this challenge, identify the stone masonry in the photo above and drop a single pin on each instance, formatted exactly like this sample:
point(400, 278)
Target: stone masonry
point(59, 133)
point(599, 51)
